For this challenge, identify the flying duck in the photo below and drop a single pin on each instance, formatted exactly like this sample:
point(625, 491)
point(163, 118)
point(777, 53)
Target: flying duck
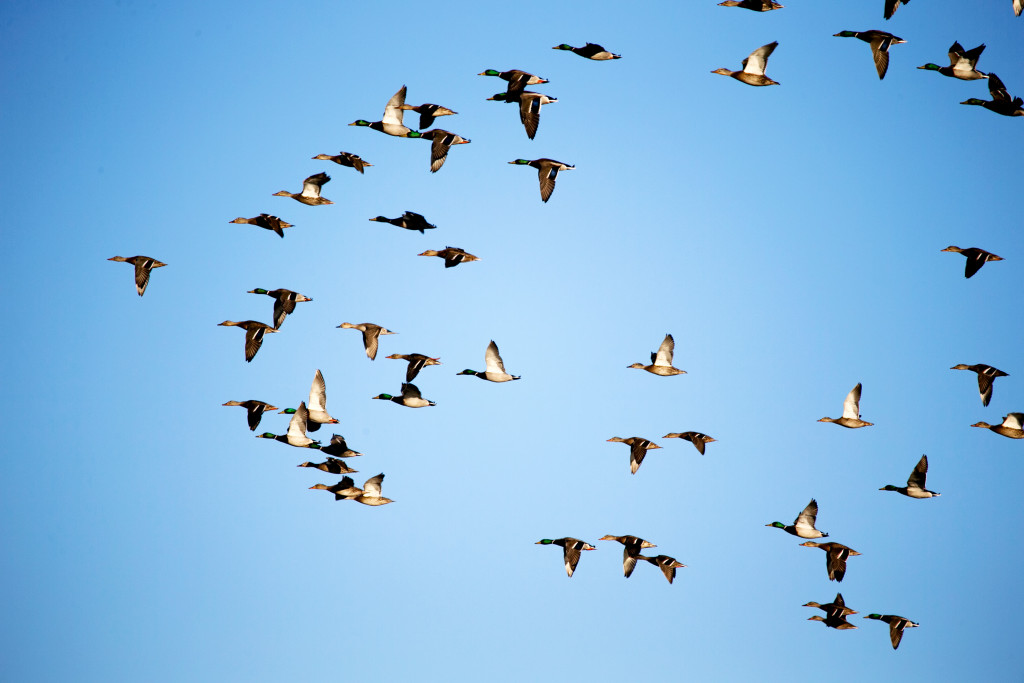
point(571, 547)
point(410, 397)
point(755, 5)
point(547, 171)
point(284, 302)
point(267, 222)
point(428, 112)
point(495, 367)
point(851, 412)
point(661, 360)
point(976, 258)
point(529, 108)
point(836, 555)
point(896, 626)
point(638, 447)
point(590, 51)
point(631, 552)
point(961, 63)
point(391, 123)
point(254, 332)
point(345, 159)
point(880, 42)
point(296, 435)
point(452, 256)
point(696, 438)
point(666, 564)
point(803, 526)
point(310, 194)
point(408, 220)
point(442, 141)
point(915, 487)
point(143, 266)
point(417, 361)
point(317, 410)
point(370, 334)
point(835, 608)
point(331, 466)
point(254, 411)
point(517, 80)
point(753, 67)
point(1001, 102)
point(338, 448)
point(986, 378)
point(1010, 428)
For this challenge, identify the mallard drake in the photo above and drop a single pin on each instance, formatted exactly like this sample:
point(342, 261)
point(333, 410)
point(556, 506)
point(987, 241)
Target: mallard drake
point(547, 171)
point(696, 438)
point(417, 361)
point(1001, 102)
point(441, 142)
point(803, 526)
point(254, 411)
point(661, 360)
point(317, 409)
point(755, 5)
point(284, 302)
point(517, 80)
point(345, 159)
point(343, 490)
point(408, 220)
point(310, 194)
point(891, 6)
point(880, 42)
point(961, 63)
point(851, 412)
point(338, 448)
point(428, 112)
point(835, 608)
point(631, 552)
point(986, 378)
point(666, 564)
point(915, 487)
point(896, 626)
point(452, 256)
point(296, 435)
point(590, 51)
point(391, 122)
point(410, 397)
point(331, 466)
point(976, 258)
point(495, 367)
point(371, 333)
point(833, 621)
point(254, 332)
point(370, 494)
point(1010, 428)
point(529, 107)
point(143, 266)
point(638, 447)
point(753, 67)
point(571, 547)
point(267, 222)
point(836, 555)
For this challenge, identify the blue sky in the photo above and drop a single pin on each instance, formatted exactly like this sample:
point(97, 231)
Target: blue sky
point(788, 237)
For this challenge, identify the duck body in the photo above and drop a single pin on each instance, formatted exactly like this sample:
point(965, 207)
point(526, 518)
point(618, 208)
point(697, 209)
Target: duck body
point(267, 222)
point(836, 621)
point(517, 79)
point(589, 51)
point(428, 112)
point(495, 371)
point(391, 123)
point(331, 466)
point(345, 159)
point(696, 438)
point(254, 333)
point(310, 195)
point(633, 546)
point(661, 360)
point(754, 65)
point(441, 142)
point(338, 448)
point(409, 220)
point(803, 526)
point(547, 171)
point(284, 302)
point(976, 258)
point(529, 108)
point(835, 608)
point(371, 334)
point(880, 42)
point(836, 555)
point(316, 411)
point(896, 626)
point(571, 550)
point(915, 487)
point(1010, 428)
point(961, 63)
point(296, 435)
point(666, 564)
point(254, 411)
point(452, 256)
point(638, 447)
point(1001, 102)
point(370, 494)
point(755, 5)
point(986, 378)
point(417, 361)
point(144, 265)
point(410, 397)
point(851, 412)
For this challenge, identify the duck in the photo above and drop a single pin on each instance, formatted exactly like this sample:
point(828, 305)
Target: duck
point(452, 256)
point(317, 409)
point(976, 258)
point(696, 438)
point(371, 333)
point(1001, 102)
point(986, 378)
point(661, 360)
point(589, 51)
point(296, 435)
point(572, 548)
point(284, 302)
point(331, 466)
point(254, 333)
point(441, 142)
point(753, 67)
point(410, 220)
point(666, 564)
point(547, 171)
point(143, 267)
point(836, 555)
point(517, 80)
point(310, 195)
point(835, 608)
point(529, 108)
point(851, 412)
point(631, 552)
point(495, 367)
point(410, 397)
point(417, 361)
point(896, 626)
point(1010, 427)
point(428, 112)
point(343, 490)
point(338, 448)
point(370, 494)
point(880, 42)
point(803, 526)
point(833, 621)
point(755, 5)
point(254, 411)
point(961, 63)
point(638, 447)
point(345, 159)
point(267, 222)
point(891, 6)
point(915, 487)
point(391, 122)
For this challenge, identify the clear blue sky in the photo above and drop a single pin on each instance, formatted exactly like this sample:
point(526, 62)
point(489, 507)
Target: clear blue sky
point(788, 237)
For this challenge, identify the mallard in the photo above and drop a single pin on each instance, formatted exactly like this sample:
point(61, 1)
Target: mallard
point(976, 258)
point(310, 194)
point(410, 397)
point(343, 490)
point(891, 6)
point(661, 360)
point(391, 123)
point(296, 435)
point(753, 67)
point(961, 63)
point(495, 367)
point(836, 555)
point(529, 108)
point(590, 51)
point(835, 608)
point(284, 302)
point(143, 266)
point(441, 140)
point(428, 112)
point(631, 552)
point(254, 411)
point(370, 334)
point(547, 171)
point(267, 222)
point(756, 5)
point(338, 448)
point(696, 438)
point(915, 487)
point(254, 332)
point(880, 42)
point(803, 526)
point(1001, 102)
point(851, 412)
point(833, 621)
point(452, 256)
point(370, 494)
point(986, 378)
point(331, 466)
point(571, 547)
point(517, 80)
point(666, 564)
point(1010, 428)
point(896, 626)
point(317, 409)
point(638, 447)
point(417, 361)
point(409, 220)
point(345, 159)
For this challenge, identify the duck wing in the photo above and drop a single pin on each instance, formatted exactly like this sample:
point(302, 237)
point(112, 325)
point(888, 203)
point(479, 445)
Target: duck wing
point(637, 452)
point(371, 333)
point(757, 62)
point(920, 473)
point(808, 517)
point(851, 406)
point(529, 113)
point(253, 340)
point(371, 489)
point(1013, 420)
point(284, 303)
point(547, 173)
point(998, 92)
point(318, 393)
point(492, 361)
point(880, 51)
point(571, 554)
point(311, 185)
point(665, 351)
point(393, 110)
point(410, 391)
point(442, 141)
point(297, 425)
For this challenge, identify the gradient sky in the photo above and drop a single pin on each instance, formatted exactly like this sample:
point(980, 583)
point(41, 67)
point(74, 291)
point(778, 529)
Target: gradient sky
point(788, 237)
